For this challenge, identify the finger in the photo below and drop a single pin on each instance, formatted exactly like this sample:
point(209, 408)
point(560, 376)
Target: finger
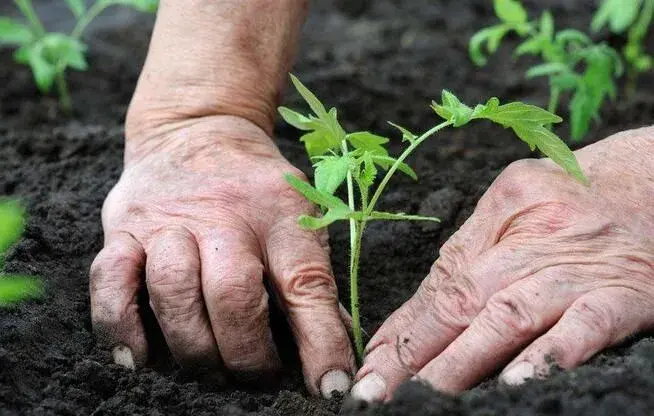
point(595, 321)
point(511, 319)
point(237, 303)
point(301, 272)
point(115, 280)
point(443, 307)
point(174, 286)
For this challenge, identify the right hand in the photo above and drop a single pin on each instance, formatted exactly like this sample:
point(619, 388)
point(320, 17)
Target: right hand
point(202, 211)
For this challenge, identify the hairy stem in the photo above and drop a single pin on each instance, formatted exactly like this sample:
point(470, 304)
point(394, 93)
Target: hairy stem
point(389, 174)
point(27, 8)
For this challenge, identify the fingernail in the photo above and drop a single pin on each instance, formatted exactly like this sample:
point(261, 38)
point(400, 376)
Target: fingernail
point(334, 381)
point(123, 356)
point(371, 388)
point(518, 374)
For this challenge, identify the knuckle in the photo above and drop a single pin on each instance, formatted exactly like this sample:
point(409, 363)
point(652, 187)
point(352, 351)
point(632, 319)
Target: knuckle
point(454, 302)
point(111, 264)
point(237, 293)
point(596, 318)
point(311, 282)
point(509, 315)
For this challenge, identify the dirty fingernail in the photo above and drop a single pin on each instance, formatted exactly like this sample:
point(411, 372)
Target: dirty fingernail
point(371, 388)
point(334, 381)
point(123, 356)
point(518, 374)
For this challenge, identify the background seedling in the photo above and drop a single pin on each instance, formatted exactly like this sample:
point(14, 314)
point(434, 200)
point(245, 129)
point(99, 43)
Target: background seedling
point(50, 54)
point(571, 61)
point(13, 288)
point(632, 17)
point(356, 159)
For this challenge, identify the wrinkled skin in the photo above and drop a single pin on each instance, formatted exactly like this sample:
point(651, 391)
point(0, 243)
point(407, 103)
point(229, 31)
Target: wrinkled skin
point(202, 223)
point(546, 271)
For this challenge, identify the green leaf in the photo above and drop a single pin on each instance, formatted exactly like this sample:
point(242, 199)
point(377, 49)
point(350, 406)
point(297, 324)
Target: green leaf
point(66, 50)
point(16, 288)
point(406, 134)
point(331, 216)
point(617, 14)
point(146, 6)
point(491, 38)
point(452, 109)
point(43, 70)
point(14, 33)
point(528, 122)
point(331, 172)
point(510, 11)
point(12, 223)
point(321, 198)
point(385, 162)
point(367, 141)
point(296, 119)
point(317, 143)
point(532, 46)
point(547, 69)
point(77, 7)
point(369, 172)
point(314, 103)
point(387, 216)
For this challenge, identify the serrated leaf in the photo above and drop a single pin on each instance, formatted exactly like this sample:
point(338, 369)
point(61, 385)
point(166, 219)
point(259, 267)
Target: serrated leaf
point(296, 119)
point(331, 216)
point(330, 173)
point(406, 134)
point(13, 289)
point(369, 171)
point(517, 112)
point(387, 216)
point(14, 33)
point(617, 14)
point(452, 109)
point(368, 142)
point(77, 7)
point(510, 11)
point(314, 103)
point(321, 198)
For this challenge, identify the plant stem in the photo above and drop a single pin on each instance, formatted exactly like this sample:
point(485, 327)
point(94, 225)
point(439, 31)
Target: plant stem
point(356, 231)
point(555, 95)
point(93, 12)
point(27, 8)
point(354, 291)
point(398, 161)
point(64, 95)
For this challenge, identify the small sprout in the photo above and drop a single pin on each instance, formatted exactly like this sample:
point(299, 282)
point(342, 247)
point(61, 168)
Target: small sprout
point(571, 61)
point(632, 17)
point(357, 159)
point(50, 54)
point(14, 288)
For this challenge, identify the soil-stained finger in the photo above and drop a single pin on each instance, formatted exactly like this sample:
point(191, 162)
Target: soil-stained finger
point(115, 280)
point(175, 289)
point(237, 302)
point(302, 276)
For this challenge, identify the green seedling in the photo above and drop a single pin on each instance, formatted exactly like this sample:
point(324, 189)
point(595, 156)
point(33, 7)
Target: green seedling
point(632, 17)
point(13, 288)
point(50, 54)
point(570, 60)
point(356, 159)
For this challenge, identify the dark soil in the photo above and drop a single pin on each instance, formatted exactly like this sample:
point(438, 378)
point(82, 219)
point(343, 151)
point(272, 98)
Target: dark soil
point(376, 61)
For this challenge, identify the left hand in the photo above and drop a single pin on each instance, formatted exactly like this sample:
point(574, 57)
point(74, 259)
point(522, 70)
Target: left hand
point(545, 271)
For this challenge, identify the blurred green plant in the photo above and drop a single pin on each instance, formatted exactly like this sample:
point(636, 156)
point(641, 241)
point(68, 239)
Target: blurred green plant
point(50, 54)
point(632, 17)
point(571, 61)
point(14, 288)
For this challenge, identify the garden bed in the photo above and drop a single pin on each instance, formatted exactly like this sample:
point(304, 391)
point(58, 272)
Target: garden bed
point(375, 60)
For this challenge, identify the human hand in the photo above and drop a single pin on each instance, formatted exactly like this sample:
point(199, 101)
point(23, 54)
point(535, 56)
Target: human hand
point(544, 271)
point(203, 212)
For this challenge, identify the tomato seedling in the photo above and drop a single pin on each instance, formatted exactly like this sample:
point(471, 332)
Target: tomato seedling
point(571, 61)
point(355, 159)
point(632, 17)
point(50, 54)
point(13, 288)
